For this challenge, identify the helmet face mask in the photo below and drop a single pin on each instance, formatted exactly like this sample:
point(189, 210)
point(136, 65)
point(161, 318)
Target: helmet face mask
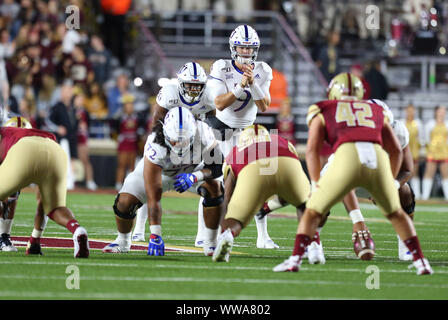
point(179, 129)
point(191, 82)
point(244, 36)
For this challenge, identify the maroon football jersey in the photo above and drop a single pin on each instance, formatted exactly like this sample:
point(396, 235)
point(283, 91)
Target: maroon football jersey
point(277, 147)
point(349, 121)
point(10, 136)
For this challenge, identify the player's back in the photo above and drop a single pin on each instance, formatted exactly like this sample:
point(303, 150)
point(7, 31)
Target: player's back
point(246, 153)
point(349, 121)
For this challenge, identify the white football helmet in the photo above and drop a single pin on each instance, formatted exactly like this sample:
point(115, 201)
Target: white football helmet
point(179, 129)
point(386, 109)
point(244, 36)
point(191, 80)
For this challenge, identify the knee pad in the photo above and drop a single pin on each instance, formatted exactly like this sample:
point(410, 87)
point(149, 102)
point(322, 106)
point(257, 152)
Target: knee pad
point(126, 215)
point(410, 208)
point(208, 200)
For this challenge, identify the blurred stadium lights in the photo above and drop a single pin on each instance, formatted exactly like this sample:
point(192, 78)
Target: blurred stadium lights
point(442, 50)
point(138, 81)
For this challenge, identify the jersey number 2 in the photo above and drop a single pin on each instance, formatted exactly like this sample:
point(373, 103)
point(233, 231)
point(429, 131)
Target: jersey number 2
point(354, 114)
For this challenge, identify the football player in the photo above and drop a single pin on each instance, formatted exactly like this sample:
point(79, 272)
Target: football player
point(266, 164)
point(360, 134)
point(180, 154)
point(33, 156)
point(240, 88)
point(190, 92)
point(8, 207)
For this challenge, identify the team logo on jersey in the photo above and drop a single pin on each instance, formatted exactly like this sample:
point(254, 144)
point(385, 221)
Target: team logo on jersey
point(174, 101)
point(226, 69)
point(257, 76)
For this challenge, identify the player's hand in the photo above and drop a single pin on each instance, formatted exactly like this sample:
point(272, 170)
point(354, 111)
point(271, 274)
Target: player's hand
point(156, 246)
point(248, 73)
point(184, 181)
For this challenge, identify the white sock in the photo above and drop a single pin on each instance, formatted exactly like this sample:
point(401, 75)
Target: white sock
point(445, 188)
point(201, 223)
point(262, 227)
point(124, 237)
point(427, 186)
point(36, 233)
point(356, 216)
point(210, 234)
point(415, 184)
point(5, 226)
point(319, 229)
point(275, 203)
point(140, 222)
point(156, 229)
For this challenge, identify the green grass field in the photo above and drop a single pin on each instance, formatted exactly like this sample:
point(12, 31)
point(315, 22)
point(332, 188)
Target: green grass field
point(248, 275)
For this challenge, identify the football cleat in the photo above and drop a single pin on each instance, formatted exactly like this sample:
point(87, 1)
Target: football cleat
point(33, 247)
point(422, 266)
point(316, 253)
point(224, 247)
point(6, 244)
point(199, 243)
point(266, 244)
point(403, 252)
point(292, 264)
point(116, 247)
point(363, 245)
point(138, 237)
point(81, 243)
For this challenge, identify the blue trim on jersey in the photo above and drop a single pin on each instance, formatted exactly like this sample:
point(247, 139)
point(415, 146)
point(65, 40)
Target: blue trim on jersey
point(246, 32)
point(236, 68)
point(215, 78)
point(188, 104)
point(180, 118)
point(195, 75)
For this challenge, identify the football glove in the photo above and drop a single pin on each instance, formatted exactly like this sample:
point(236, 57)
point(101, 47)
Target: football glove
point(156, 246)
point(184, 181)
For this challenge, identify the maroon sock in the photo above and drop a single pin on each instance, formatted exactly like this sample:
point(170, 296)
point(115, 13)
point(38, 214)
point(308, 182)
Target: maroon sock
point(33, 240)
point(302, 241)
point(266, 208)
point(414, 247)
point(72, 225)
point(316, 238)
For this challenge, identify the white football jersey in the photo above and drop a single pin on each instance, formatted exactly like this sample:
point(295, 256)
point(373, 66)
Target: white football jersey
point(172, 165)
point(224, 76)
point(169, 97)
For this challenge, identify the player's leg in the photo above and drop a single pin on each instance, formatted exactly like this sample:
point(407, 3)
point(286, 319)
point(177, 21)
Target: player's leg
point(212, 192)
point(444, 174)
point(242, 207)
point(407, 201)
point(387, 198)
point(415, 181)
point(139, 229)
point(128, 200)
point(7, 211)
point(271, 205)
point(40, 222)
point(428, 178)
point(199, 241)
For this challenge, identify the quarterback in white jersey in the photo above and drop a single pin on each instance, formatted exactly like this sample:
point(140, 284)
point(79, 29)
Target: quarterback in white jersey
point(239, 89)
point(180, 154)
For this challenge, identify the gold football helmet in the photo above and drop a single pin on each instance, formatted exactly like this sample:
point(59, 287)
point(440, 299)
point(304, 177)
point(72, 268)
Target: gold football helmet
point(18, 122)
point(345, 85)
point(252, 134)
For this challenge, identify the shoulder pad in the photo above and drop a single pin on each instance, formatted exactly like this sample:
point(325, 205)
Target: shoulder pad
point(313, 111)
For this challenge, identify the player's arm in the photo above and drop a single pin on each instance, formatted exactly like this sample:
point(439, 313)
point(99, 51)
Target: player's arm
point(393, 148)
point(407, 167)
point(316, 137)
point(158, 114)
point(152, 175)
point(222, 98)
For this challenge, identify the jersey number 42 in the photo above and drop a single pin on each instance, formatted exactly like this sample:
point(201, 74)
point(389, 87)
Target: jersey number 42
point(354, 114)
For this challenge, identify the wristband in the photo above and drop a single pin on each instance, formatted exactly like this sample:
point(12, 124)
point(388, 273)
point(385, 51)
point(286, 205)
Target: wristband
point(238, 91)
point(397, 184)
point(199, 175)
point(313, 186)
point(156, 229)
point(257, 93)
